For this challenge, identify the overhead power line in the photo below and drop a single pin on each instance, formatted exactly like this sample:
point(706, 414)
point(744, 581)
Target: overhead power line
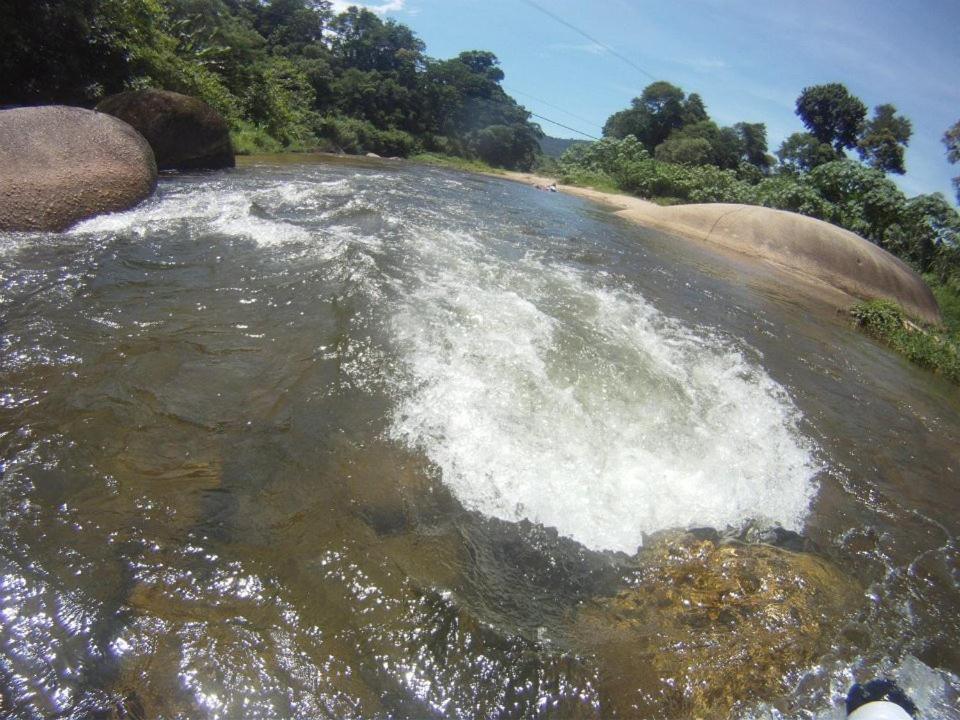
point(589, 37)
point(591, 123)
point(565, 127)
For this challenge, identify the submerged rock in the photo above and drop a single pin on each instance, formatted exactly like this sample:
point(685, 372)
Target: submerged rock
point(706, 626)
point(184, 132)
point(60, 164)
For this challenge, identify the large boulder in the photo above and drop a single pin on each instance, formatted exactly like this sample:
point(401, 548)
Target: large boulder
point(184, 132)
point(62, 164)
point(809, 247)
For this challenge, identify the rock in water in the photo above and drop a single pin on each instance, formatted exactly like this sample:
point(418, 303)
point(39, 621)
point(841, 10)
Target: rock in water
point(184, 132)
point(62, 164)
point(704, 626)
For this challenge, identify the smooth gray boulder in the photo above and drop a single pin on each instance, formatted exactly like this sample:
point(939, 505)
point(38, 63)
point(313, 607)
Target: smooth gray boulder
point(60, 164)
point(810, 247)
point(184, 132)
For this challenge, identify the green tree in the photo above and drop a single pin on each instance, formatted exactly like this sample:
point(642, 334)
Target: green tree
point(926, 227)
point(509, 146)
point(753, 141)
point(465, 99)
point(72, 51)
point(482, 63)
point(362, 40)
point(702, 143)
point(281, 99)
point(801, 152)
point(290, 25)
point(685, 150)
point(951, 138)
point(832, 115)
point(884, 139)
point(659, 110)
point(866, 201)
point(694, 110)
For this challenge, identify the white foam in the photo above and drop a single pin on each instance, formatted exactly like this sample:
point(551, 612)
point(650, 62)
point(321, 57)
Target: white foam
point(541, 395)
point(221, 208)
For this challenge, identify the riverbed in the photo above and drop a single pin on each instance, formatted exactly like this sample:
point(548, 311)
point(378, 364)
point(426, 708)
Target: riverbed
point(365, 439)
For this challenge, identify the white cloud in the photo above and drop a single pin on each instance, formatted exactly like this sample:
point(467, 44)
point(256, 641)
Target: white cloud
point(387, 6)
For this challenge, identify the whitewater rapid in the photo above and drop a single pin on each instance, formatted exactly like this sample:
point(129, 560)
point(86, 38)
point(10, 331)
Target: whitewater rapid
point(540, 390)
point(545, 394)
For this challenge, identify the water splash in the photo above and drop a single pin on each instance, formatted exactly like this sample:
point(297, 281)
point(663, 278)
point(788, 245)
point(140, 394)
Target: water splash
point(542, 394)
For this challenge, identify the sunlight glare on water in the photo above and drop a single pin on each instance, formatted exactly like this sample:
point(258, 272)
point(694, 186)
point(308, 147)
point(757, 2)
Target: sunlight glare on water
point(356, 440)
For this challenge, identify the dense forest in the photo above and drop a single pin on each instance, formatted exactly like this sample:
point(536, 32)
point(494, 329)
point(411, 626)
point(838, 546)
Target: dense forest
point(284, 73)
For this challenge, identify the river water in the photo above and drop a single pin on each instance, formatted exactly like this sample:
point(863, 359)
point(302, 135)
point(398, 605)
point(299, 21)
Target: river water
point(371, 440)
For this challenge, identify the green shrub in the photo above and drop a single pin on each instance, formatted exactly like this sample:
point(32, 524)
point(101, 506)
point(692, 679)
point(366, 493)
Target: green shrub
point(250, 139)
point(280, 98)
point(546, 165)
point(603, 156)
point(789, 192)
point(456, 163)
point(164, 70)
point(879, 317)
point(357, 137)
point(948, 298)
point(589, 178)
point(885, 321)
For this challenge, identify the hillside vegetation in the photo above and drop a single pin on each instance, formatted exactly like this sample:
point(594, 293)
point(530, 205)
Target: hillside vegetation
point(286, 74)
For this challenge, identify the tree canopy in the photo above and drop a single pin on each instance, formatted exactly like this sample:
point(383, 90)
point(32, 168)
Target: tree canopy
point(832, 115)
point(884, 138)
point(802, 152)
point(951, 138)
point(281, 71)
point(660, 109)
point(675, 127)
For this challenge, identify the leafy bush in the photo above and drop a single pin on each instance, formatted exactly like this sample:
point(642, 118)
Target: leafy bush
point(788, 192)
point(604, 156)
point(863, 199)
point(250, 139)
point(162, 68)
point(948, 298)
point(885, 321)
point(708, 184)
point(589, 178)
point(456, 163)
point(359, 136)
point(280, 98)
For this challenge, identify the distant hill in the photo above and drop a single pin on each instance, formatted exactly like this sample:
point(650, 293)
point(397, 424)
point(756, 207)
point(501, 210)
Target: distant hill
point(554, 147)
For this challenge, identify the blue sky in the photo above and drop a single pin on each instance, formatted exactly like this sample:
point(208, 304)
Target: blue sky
point(748, 59)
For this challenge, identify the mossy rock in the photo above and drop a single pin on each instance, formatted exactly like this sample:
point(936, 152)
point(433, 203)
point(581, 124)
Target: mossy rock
point(706, 626)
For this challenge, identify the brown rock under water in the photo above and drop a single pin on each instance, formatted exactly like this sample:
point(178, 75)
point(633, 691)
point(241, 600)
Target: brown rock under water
point(60, 164)
point(707, 626)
